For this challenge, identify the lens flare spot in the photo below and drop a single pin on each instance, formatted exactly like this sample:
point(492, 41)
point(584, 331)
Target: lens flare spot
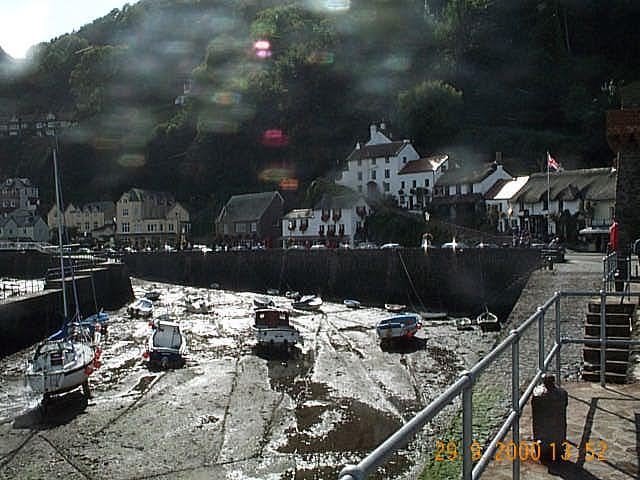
point(226, 98)
point(132, 160)
point(275, 174)
point(275, 138)
point(262, 45)
point(263, 53)
point(321, 58)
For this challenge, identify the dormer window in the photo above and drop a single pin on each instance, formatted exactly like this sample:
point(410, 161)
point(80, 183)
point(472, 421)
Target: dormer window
point(404, 159)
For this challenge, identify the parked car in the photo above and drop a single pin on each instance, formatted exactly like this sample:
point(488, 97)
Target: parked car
point(390, 246)
point(318, 246)
point(455, 245)
point(367, 245)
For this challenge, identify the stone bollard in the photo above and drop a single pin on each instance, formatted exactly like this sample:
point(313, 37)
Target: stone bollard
point(550, 262)
point(549, 415)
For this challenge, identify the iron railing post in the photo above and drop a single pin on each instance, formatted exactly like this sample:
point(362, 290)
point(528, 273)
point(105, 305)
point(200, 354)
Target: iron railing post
point(467, 426)
point(515, 400)
point(558, 338)
point(603, 349)
point(540, 313)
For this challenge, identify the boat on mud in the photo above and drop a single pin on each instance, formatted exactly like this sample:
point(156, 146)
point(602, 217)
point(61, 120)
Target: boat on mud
point(64, 361)
point(197, 305)
point(465, 323)
point(349, 303)
point(308, 302)
point(433, 315)
point(398, 326)
point(166, 346)
point(488, 322)
point(143, 307)
point(271, 328)
point(263, 302)
point(394, 307)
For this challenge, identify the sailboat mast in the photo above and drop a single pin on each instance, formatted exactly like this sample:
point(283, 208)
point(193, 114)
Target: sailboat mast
point(60, 226)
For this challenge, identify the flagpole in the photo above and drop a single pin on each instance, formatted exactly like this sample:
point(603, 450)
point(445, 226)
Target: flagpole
point(548, 194)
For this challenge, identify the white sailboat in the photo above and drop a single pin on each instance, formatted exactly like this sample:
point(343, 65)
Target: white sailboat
point(65, 360)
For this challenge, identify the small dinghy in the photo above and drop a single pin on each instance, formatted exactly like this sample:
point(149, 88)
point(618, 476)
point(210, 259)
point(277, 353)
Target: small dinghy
point(394, 307)
point(432, 315)
point(196, 305)
point(464, 323)
point(143, 307)
point(308, 302)
point(351, 303)
point(152, 295)
point(398, 326)
point(166, 346)
point(488, 322)
point(293, 295)
point(263, 302)
point(96, 322)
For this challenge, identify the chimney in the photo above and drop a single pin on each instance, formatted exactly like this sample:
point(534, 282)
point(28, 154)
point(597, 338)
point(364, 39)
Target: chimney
point(383, 126)
point(498, 157)
point(357, 145)
point(373, 129)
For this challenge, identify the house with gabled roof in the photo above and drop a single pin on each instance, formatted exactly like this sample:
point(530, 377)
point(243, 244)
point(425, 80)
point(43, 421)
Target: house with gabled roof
point(334, 220)
point(147, 218)
point(587, 195)
point(251, 218)
point(459, 193)
point(383, 166)
point(501, 208)
point(23, 225)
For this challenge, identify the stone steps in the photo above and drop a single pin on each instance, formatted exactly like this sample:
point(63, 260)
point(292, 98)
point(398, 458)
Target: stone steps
point(619, 319)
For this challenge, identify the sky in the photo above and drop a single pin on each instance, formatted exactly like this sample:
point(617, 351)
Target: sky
point(24, 23)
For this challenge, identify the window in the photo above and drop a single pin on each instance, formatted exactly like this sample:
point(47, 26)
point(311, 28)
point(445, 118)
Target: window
point(124, 227)
point(373, 174)
point(545, 203)
point(386, 159)
point(387, 174)
point(373, 162)
point(404, 159)
point(254, 227)
point(426, 182)
point(360, 176)
point(402, 184)
point(560, 206)
point(414, 184)
point(521, 205)
point(240, 227)
point(162, 227)
point(125, 212)
point(386, 187)
point(87, 226)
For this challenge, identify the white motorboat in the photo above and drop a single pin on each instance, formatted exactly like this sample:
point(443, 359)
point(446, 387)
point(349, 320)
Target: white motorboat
point(398, 326)
point(272, 328)
point(143, 307)
point(308, 302)
point(166, 346)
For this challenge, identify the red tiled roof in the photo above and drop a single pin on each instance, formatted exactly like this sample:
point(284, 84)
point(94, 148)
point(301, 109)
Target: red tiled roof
point(427, 164)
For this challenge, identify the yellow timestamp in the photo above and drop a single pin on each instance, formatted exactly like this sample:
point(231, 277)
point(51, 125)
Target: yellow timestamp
point(524, 451)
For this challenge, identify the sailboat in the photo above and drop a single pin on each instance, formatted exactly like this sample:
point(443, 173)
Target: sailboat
point(64, 361)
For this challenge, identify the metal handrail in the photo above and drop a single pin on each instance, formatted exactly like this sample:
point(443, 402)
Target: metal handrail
point(464, 386)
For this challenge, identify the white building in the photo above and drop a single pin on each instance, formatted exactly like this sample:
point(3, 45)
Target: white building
point(500, 203)
point(332, 221)
point(588, 195)
point(23, 225)
point(385, 167)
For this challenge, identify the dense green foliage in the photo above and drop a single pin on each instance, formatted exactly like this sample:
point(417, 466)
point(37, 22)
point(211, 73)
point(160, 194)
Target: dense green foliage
point(518, 77)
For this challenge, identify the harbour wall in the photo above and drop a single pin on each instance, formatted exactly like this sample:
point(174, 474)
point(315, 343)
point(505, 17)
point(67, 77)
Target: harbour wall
point(460, 282)
point(28, 319)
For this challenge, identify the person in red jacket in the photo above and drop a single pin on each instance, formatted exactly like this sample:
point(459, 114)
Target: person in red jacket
point(613, 236)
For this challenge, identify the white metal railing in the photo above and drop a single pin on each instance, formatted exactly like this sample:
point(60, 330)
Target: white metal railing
point(463, 386)
point(38, 246)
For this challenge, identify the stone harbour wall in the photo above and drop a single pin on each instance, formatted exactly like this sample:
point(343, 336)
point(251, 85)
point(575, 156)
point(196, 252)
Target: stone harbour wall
point(459, 282)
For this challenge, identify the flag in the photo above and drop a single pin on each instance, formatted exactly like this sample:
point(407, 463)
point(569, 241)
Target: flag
point(553, 163)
